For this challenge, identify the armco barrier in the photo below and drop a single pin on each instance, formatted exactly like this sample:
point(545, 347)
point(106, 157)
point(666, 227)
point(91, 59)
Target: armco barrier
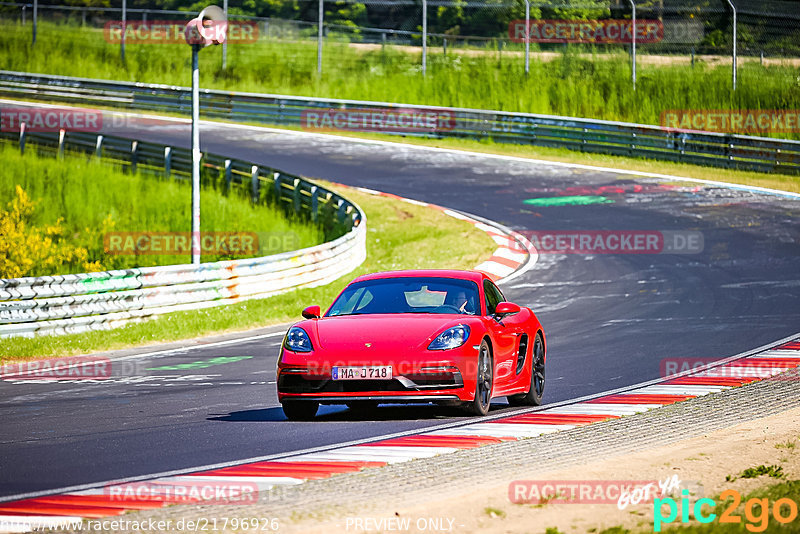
point(606, 137)
point(90, 301)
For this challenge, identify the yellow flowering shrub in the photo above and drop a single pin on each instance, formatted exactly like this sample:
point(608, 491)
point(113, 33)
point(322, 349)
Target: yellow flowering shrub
point(26, 250)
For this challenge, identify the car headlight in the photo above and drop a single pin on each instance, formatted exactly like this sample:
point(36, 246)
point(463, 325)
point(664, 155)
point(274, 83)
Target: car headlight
point(297, 340)
point(451, 338)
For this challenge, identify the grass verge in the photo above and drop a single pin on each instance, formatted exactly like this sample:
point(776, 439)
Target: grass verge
point(399, 236)
point(79, 201)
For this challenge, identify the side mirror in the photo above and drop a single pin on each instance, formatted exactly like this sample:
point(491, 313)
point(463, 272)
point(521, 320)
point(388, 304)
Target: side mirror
point(505, 308)
point(313, 312)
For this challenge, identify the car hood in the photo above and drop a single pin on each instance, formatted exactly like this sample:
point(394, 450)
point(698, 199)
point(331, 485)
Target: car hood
point(353, 332)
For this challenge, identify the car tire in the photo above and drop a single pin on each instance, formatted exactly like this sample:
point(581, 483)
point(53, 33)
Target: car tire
point(300, 410)
point(534, 395)
point(484, 382)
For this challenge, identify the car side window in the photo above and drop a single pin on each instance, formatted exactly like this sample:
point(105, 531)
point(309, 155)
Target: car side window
point(348, 303)
point(497, 292)
point(492, 295)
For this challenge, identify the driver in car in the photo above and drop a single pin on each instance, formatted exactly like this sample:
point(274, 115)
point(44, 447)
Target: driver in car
point(461, 300)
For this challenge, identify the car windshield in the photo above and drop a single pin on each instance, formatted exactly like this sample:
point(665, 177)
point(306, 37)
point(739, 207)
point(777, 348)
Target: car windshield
point(408, 295)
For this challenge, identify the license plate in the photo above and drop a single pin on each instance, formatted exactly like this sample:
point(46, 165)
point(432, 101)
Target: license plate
point(380, 372)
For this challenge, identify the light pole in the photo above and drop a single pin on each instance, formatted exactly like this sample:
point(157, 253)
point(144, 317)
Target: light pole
point(35, 19)
point(320, 20)
point(195, 155)
point(527, 36)
point(124, 21)
point(424, 37)
point(733, 8)
point(225, 42)
point(633, 43)
point(209, 28)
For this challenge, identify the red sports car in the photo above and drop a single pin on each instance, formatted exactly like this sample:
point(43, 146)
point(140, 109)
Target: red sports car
point(413, 336)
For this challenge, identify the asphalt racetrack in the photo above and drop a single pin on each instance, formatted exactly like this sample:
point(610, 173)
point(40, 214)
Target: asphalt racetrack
point(611, 319)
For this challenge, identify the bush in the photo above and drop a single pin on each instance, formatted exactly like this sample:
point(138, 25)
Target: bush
point(28, 250)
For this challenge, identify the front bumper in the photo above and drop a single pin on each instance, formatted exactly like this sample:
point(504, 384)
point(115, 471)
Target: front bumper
point(387, 399)
point(429, 383)
point(417, 375)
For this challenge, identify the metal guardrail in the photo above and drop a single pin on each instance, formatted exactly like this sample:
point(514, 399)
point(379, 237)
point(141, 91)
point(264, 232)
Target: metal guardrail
point(606, 137)
point(90, 301)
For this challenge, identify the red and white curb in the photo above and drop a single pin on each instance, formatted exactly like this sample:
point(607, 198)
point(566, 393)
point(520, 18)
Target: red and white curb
point(114, 500)
point(514, 254)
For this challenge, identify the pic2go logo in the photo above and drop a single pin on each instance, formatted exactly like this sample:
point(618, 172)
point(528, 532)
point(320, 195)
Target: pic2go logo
point(756, 511)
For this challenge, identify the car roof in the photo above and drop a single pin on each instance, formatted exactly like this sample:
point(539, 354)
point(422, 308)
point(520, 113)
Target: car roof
point(475, 276)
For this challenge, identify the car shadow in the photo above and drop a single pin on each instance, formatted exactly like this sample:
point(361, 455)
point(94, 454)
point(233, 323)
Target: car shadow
point(391, 412)
point(337, 413)
point(250, 416)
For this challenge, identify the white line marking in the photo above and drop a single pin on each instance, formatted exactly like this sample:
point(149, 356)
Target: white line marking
point(88, 492)
point(375, 453)
point(398, 450)
point(676, 389)
point(778, 353)
point(595, 408)
point(367, 191)
point(155, 353)
point(510, 254)
point(266, 481)
point(488, 229)
point(495, 268)
point(516, 430)
point(457, 215)
point(498, 432)
point(742, 371)
point(415, 202)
